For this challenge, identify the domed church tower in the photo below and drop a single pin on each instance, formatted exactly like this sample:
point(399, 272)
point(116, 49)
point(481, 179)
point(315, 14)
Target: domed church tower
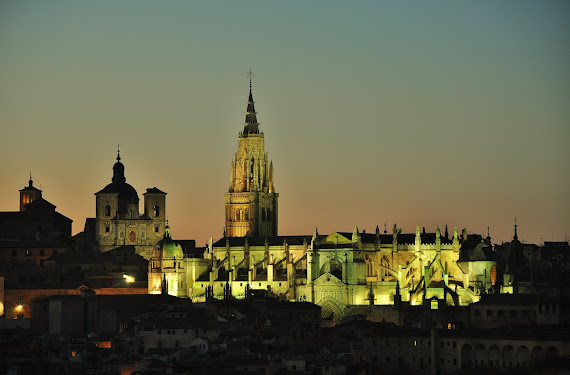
point(167, 271)
point(118, 221)
point(251, 200)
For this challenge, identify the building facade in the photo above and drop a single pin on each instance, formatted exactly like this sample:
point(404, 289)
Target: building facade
point(118, 220)
point(336, 271)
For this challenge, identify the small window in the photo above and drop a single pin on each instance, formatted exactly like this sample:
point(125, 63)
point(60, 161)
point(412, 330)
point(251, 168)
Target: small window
point(107, 229)
point(107, 210)
point(156, 210)
point(155, 229)
point(28, 252)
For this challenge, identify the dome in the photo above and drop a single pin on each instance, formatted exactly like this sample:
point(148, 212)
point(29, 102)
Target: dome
point(167, 248)
point(126, 193)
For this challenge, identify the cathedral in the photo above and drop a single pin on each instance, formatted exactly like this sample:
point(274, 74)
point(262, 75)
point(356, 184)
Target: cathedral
point(337, 271)
point(118, 221)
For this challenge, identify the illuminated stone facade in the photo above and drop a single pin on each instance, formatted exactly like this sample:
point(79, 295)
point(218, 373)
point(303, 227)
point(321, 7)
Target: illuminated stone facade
point(336, 271)
point(339, 270)
point(118, 221)
point(170, 271)
point(251, 200)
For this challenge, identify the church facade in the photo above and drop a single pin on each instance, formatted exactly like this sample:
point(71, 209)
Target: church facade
point(118, 221)
point(336, 271)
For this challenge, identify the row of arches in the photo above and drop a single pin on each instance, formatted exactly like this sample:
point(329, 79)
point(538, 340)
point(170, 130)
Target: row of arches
point(508, 356)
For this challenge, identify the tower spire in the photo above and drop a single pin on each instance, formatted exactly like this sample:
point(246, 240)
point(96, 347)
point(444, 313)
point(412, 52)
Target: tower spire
point(250, 125)
point(516, 237)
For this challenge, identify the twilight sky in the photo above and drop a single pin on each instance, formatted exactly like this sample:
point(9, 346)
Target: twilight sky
point(419, 113)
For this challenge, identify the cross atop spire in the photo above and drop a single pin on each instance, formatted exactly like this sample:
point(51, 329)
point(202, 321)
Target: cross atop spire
point(118, 152)
point(250, 75)
point(516, 237)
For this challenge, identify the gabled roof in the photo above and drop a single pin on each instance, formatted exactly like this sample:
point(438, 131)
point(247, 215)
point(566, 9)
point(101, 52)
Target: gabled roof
point(40, 202)
point(154, 190)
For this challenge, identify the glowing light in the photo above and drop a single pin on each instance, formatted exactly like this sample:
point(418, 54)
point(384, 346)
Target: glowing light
point(129, 279)
point(19, 307)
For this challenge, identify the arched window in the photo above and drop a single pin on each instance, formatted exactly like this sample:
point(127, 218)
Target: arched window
point(107, 210)
point(263, 214)
point(156, 210)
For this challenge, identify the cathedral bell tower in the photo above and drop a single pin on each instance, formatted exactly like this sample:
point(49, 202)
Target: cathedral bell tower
point(251, 200)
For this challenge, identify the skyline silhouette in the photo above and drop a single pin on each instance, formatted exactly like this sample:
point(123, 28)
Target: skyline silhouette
point(372, 113)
